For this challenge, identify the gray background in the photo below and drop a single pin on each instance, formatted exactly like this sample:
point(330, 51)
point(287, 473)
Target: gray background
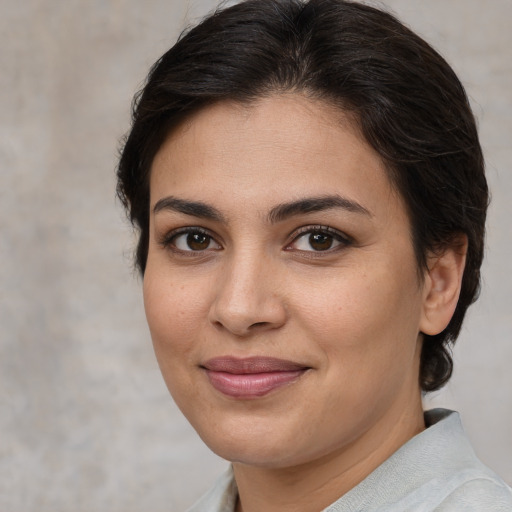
point(86, 423)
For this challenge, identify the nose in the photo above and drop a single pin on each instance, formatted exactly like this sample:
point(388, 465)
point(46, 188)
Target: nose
point(248, 299)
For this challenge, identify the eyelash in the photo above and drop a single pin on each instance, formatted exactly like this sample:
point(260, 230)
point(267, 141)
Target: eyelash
point(168, 241)
point(336, 236)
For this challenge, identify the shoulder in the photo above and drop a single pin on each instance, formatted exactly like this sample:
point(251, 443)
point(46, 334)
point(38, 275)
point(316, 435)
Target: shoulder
point(466, 484)
point(485, 492)
point(436, 471)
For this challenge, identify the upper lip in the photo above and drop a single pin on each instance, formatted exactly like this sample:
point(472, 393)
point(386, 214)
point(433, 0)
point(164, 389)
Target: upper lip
point(229, 364)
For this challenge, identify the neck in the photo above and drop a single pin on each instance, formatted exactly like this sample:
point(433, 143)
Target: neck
point(314, 485)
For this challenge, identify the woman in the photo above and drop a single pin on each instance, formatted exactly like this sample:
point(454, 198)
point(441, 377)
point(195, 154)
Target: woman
point(309, 189)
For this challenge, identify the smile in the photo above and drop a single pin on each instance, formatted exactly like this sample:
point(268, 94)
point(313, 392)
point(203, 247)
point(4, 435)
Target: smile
point(251, 377)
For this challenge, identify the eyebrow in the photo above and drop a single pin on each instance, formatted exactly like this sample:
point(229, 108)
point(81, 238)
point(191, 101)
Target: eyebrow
point(315, 204)
point(277, 213)
point(193, 208)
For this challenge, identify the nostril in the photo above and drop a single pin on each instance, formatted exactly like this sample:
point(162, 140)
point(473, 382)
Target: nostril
point(258, 324)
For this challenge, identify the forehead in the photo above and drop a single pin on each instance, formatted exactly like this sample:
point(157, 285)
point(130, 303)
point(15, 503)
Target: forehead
point(275, 149)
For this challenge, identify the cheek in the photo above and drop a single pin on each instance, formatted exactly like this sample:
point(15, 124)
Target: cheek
point(368, 319)
point(172, 310)
point(171, 315)
point(366, 330)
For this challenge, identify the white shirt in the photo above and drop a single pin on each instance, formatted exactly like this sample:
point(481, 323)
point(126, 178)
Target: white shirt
point(437, 470)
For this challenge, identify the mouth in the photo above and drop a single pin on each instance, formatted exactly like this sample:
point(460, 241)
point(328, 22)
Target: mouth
point(251, 377)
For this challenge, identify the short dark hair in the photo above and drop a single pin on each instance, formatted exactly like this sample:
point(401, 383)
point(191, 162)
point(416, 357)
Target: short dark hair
point(408, 103)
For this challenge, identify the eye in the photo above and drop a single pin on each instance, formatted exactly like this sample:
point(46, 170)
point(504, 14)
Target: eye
point(191, 240)
point(318, 239)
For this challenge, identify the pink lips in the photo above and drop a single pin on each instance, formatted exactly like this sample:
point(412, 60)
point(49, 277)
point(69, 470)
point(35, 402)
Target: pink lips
point(251, 377)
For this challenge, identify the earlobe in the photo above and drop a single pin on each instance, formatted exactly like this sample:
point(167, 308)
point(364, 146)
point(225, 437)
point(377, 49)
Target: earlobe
point(442, 285)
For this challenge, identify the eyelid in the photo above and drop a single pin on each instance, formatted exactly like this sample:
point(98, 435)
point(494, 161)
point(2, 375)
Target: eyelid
point(339, 236)
point(166, 240)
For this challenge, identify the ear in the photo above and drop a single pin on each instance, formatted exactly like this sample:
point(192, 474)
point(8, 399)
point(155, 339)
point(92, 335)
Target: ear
point(443, 280)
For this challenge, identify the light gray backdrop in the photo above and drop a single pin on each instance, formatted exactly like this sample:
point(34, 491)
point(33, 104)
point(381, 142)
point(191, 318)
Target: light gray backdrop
point(86, 423)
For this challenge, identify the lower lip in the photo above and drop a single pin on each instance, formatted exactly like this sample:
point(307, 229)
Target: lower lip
point(251, 385)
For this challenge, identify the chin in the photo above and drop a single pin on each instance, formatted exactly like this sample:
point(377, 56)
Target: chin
point(254, 445)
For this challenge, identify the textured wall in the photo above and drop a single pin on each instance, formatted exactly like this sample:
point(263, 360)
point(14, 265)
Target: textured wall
point(86, 423)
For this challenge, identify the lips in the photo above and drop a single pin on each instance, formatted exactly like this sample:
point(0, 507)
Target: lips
point(251, 377)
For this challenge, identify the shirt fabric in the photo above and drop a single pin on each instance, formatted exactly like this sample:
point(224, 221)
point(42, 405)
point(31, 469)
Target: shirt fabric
point(435, 471)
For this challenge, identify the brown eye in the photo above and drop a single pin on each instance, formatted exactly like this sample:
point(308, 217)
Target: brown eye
point(198, 241)
point(194, 241)
point(320, 241)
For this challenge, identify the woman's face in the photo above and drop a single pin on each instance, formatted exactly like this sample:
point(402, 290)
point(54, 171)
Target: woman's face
point(281, 287)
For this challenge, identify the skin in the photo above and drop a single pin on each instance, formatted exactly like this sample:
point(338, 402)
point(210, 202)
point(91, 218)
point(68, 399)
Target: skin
point(257, 286)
